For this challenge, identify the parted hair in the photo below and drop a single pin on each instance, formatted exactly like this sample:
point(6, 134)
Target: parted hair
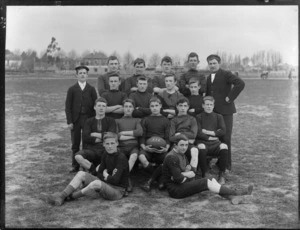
point(100, 99)
point(208, 98)
point(112, 58)
point(139, 61)
point(154, 99)
point(166, 59)
point(110, 135)
point(180, 137)
point(130, 101)
point(193, 54)
point(182, 100)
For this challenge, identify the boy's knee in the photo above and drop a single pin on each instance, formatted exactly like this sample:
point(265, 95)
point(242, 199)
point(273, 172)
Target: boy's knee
point(223, 146)
point(81, 175)
point(96, 184)
point(201, 146)
point(133, 156)
point(78, 157)
point(194, 152)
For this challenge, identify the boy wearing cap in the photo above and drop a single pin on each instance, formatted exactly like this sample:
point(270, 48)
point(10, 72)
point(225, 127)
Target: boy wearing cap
point(114, 97)
point(94, 129)
point(225, 87)
point(78, 107)
point(192, 74)
point(130, 85)
point(113, 65)
point(159, 84)
point(110, 183)
point(141, 98)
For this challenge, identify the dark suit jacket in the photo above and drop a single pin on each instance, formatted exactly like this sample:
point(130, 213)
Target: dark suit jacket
point(225, 84)
point(77, 98)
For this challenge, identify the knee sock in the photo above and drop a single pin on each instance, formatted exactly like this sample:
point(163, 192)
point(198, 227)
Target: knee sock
point(67, 191)
point(157, 173)
point(202, 164)
point(222, 161)
point(77, 194)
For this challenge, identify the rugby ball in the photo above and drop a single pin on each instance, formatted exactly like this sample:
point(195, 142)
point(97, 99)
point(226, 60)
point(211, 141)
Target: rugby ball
point(156, 142)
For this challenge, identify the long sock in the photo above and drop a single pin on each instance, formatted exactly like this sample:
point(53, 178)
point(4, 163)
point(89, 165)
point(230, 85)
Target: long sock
point(157, 173)
point(202, 164)
point(222, 161)
point(67, 191)
point(77, 194)
point(149, 168)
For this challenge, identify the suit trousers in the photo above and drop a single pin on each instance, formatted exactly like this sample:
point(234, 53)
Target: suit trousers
point(228, 119)
point(76, 136)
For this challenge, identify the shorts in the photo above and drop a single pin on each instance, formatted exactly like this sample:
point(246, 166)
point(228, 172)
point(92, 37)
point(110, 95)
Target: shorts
point(154, 157)
point(92, 156)
point(107, 191)
point(212, 147)
point(129, 149)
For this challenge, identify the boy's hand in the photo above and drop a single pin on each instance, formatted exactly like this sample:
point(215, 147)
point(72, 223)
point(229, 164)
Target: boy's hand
point(134, 89)
point(149, 148)
point(227, 99)
point(70, 126)
point(114, 171)
point(98, 140)
point(161, 150)
point(190, 174)
point(105, 174)
point(213, 138)
point(176, 134)
point(192, 110)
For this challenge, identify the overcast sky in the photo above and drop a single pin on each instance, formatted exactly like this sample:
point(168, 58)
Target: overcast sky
point(173, 30)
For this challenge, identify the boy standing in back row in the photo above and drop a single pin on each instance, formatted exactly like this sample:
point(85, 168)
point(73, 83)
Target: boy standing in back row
point(192, 74)
point(78, 107)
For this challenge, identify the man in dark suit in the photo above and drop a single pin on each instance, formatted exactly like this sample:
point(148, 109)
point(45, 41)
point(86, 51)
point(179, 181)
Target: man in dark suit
point(79, 106)
point(224, 86)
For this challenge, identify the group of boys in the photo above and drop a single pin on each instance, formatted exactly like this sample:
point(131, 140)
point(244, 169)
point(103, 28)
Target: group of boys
point(127, 112)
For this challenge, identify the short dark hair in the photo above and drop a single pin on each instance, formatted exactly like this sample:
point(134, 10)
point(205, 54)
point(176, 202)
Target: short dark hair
point(180, 137)
point(192, 81)
point(166, 59)
point(154, 99)
point(182, 100)
point(213, 56)
point(128, 100)
point(208, 98)
point(193, 54)
point(113, 74)
point(142, 77)
point(112, 58)
point(139, 61)
point(110, 135)
point(171, 74)
point(100, 99)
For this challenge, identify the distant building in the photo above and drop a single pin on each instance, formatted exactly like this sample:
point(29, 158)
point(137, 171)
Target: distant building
point(12, 62)
point(95, 59)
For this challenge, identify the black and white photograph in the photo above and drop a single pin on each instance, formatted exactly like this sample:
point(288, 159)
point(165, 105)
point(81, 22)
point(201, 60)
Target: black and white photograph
point(151, 116)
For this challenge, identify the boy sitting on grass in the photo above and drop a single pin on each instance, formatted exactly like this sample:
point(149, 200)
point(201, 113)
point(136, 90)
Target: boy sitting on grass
point(111, 180)
point(114, 97)
point(129, 129)
point(195, 98)
point(180, 180)
point(94, 128)
point(211, 128)
point(141, 98)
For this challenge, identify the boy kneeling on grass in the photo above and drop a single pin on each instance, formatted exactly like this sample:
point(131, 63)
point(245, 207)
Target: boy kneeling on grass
point(111, 181)
point(180, 180)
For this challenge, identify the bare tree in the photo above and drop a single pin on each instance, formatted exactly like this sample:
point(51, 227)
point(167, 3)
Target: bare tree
point(176, 60)
point(154, 60)
point(144, 57)
point(85, 53)
point(128, 60)
point(73, 54)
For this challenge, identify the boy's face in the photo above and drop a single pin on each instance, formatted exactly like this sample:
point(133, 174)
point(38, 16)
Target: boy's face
point(155, 108)
point(194, 88)
point(182, 108)
point(114, 83)
point(110, 145)
point(128, 109)
point(214, 65)
point(100, 108)
point(166, 66)
point(170, 82)
point(113, 65)
point(82, 75)
point(208, 106)
point(142, 85)
point(139, 68)
point(193, 62)
point(182, 146)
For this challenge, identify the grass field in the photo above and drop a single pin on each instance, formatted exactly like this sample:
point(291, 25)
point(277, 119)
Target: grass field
point(38, 157)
